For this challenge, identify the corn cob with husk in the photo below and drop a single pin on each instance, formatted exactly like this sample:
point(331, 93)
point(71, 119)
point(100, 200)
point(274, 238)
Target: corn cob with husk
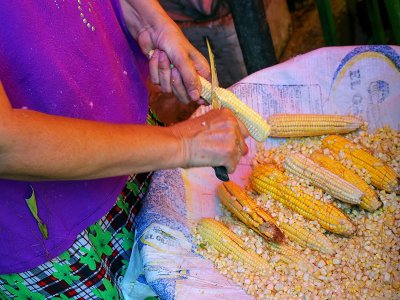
point(258, 128)
point(334, 185)
point(300, 125)
point(306, 238)
point(267, 179)
point(239, 203)
point(227, 242)
point(289, 256)
point(297, 232)
point(285, 253)
point(246, 210)
point(369, 200)
point(382, 176)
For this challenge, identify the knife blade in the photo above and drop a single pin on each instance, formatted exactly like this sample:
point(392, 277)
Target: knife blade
point(221, 172)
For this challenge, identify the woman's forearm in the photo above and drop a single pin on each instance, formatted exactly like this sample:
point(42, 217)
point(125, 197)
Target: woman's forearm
point(141, 15)
point(38, 146)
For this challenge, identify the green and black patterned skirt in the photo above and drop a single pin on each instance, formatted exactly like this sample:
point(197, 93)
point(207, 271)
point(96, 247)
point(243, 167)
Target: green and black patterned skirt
point(92, 267)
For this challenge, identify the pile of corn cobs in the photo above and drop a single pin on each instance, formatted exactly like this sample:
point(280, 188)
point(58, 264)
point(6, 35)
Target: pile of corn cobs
point(319, 218)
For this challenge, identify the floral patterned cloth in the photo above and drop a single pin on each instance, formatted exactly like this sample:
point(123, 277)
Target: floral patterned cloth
point(92, 267)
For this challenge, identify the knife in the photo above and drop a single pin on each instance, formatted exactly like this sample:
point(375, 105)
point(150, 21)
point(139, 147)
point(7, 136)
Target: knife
point(221, 172)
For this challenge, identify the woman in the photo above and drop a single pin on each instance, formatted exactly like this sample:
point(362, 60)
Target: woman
point(73, 108)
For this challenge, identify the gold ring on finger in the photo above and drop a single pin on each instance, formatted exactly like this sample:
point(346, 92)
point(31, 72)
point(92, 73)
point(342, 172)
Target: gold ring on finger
point(150, 54)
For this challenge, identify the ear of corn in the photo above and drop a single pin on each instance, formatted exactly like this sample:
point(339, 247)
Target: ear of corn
point(239, 203)
point(258, 128)
point(382, 176)
point(298, 125)
point(289, 256)
point(246, 210)
point(267, 179)
point(283, 253)
point(369, 200)
point(306, 238)
point(227, 242)
point(336, 186)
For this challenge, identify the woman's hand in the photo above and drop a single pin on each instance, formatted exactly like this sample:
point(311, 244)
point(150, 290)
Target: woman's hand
point(164, 74)
point(213, 139)
point(158, 35)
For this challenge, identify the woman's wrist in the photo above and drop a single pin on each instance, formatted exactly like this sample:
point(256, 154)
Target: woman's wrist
point(144, 15)
point(181, 156)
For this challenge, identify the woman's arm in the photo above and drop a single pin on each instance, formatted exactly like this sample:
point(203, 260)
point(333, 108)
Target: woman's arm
point(37, 146)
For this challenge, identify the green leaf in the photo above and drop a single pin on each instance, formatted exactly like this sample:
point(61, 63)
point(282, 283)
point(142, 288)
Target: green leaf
point(124, 206)
point(90, 257)
point(64, 272)
point(202, 245)
point(110, 293)
point(65, 255)
point(11, 279)
point(3, 296)
point(43, 230)
point(32, 205)
point(127, 238)
point(31, 201)
point(133, 187)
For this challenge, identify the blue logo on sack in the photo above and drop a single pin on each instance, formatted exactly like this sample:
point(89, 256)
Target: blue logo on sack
point(383, 52)
point(378, 91)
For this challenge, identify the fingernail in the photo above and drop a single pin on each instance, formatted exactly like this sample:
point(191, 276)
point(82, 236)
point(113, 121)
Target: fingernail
point(201, 102)
point(246, 150)
point(194, 94)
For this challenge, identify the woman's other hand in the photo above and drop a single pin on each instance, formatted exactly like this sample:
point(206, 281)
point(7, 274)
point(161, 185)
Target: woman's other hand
point(213, 139)
point(158, 35)
point(167, 76)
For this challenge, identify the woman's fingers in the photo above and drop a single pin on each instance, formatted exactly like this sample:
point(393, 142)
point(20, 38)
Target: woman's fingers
point(153, 56)
point(243, 133)
point(186, 69)
point(164, 72)
point(200, 64)
point(178, 88)
point(190, 69)
point(170, 41)
point(214, 139)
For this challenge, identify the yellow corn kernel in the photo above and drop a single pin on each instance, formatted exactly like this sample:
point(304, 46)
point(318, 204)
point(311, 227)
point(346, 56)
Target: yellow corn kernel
point(369, 200)
point(382, 176)
point(227, 242)
point(267, 179)
point(336, 186)
point(258, 128)
point(298, 125)
point(239, 203)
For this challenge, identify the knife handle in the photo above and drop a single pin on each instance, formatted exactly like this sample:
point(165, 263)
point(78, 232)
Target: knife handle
point(221, 173)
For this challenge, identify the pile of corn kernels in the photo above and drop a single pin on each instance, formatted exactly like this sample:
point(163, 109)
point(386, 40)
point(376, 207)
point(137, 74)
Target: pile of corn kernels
point(364, 266)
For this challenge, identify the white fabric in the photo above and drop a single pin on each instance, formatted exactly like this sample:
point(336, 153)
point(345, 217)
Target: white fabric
point(361, 80)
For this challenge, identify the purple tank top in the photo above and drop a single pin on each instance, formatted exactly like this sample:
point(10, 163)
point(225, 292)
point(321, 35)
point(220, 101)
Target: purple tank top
point(74, 59)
